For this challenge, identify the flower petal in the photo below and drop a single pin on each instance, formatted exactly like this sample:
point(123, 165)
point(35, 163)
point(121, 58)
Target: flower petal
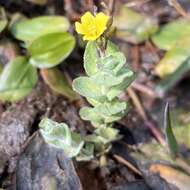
point(79, 28)
point(101, 22)
point(101, 19)
point(89, 38)
point(87, 18)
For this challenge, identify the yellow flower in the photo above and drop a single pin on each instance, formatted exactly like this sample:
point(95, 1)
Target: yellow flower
point(92, 27)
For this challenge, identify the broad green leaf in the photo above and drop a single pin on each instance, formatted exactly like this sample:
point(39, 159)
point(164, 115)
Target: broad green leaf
point(88, 88)
point(174, 57)
point(167, 83)
point(92, 58)
point(171, 140)
point(58, 82)
point(17, 80)
point(60, 136)
point(30, 29)
point(50, 50)
point(171, 33)
point(132, 26)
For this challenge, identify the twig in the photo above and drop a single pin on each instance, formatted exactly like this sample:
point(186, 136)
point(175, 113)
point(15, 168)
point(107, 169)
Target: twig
point(137, 103)
point(150, 125)
point(128, 164)
point(136, 57)
point(179, 8)
point(111, 7)
point(144, 89)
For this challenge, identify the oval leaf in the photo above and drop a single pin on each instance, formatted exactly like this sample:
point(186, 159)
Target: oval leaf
point(88, 88)
point(17, 80)
point(30, 29)
point(51, 49)
point(174, 58)
point(91, 57)
point(172, 32)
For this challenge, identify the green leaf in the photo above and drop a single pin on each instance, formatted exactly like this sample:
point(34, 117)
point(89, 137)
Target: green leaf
point(112, 63)
point(50, 50)
point(17, 80)
point(30, 29)
point(3, 19)
point(132, 26)
point(87, 153)
point(58, 82)
point(171, 140)
point(60, 136)
point(108, 80)
point(88, 88)
point(118, 89)
point(167, 83)
point(104, 113)
point(174, 57)
point(88, 114)
point(91, 57)
point(102, 138)
point(111, 108)
point(3, 24)
point(171, 33)
point(109, 134)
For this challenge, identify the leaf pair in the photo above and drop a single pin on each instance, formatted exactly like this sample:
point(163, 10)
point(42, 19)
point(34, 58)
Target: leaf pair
point(46, 39)
point(104, 113)
point(48, 44)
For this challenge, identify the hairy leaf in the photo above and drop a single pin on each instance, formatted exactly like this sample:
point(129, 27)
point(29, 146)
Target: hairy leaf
point(92, 58)
point(88, 88)
point(60, 136)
